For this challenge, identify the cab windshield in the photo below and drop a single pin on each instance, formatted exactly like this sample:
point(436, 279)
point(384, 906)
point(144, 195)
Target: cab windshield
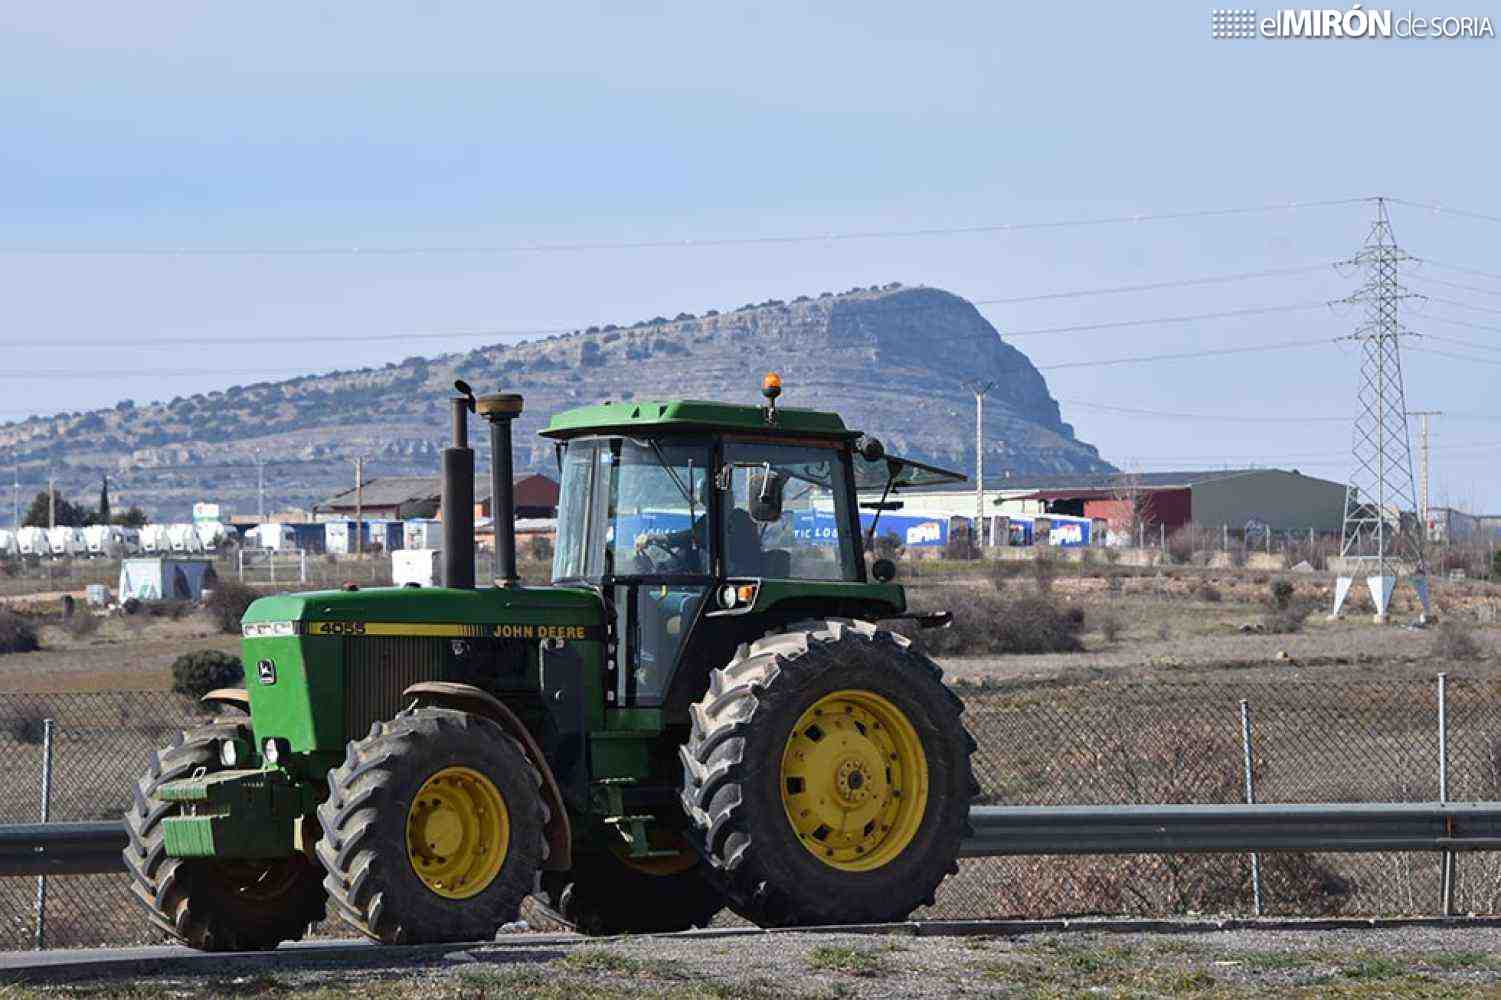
point(633, 508)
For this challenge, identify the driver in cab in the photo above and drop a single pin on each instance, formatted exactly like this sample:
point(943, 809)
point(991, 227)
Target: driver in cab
point(684, 551)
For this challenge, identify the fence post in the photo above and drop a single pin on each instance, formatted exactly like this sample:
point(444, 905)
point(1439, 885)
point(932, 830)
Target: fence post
point(41, 880)
point(1162, 530)
point(240, 561)
point(1443, 786)
point(1245, 746)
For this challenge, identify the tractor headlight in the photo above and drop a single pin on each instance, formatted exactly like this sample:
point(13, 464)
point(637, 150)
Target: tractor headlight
point(231, 753)
point(276, 749)
point(727, 596)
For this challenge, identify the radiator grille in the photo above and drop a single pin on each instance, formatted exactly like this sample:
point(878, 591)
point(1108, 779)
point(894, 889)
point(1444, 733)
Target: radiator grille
point(376, 671)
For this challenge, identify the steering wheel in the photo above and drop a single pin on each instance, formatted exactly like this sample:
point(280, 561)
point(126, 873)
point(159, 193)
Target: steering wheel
point(676, 556)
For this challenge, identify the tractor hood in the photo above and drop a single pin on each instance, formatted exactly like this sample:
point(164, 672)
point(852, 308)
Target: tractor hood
point(489, 606)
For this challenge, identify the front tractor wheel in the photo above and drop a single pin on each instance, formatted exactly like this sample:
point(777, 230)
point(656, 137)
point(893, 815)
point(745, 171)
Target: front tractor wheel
point(828, 776)
point(204, 903)
point(433, 829)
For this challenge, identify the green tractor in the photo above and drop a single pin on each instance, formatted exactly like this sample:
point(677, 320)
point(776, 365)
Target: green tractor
point(702, 711)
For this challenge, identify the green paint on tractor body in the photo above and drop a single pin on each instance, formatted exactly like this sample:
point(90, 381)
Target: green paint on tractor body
point(685, 529)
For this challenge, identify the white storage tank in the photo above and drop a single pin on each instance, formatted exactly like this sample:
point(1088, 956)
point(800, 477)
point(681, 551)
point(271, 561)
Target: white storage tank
point(184, 538)
point(32, 542)
point(8, 547)
point(104, 541)
point(63, 541)
point(213, 535)
point(130, 538)
point(154, 539)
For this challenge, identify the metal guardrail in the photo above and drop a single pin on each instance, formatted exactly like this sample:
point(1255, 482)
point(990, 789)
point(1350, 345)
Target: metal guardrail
point(62, 848)
point(1197, 829)
point(91, 848)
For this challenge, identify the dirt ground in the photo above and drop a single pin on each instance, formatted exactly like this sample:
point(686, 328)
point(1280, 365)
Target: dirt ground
point(1174, 624)
point(1411, 962)
point(124, 654)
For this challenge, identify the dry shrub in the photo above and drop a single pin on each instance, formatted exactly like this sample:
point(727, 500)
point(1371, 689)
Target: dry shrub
point(1454, 640)
point(1280, 593)
point(1111, 627)
point(1286, 620)
point(987, 623)
point(1115, 583)
point(1192, 762)
point(1208, 593)
point(228, 602)
point(1001, 572)
point(82, 625)
point(17, 633)
point(1044, 570)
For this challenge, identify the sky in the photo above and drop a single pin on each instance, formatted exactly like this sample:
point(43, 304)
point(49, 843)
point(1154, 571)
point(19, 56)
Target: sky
point(203, 174)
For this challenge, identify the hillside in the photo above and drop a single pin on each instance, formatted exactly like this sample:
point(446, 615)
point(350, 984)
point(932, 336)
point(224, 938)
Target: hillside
point(891, 360)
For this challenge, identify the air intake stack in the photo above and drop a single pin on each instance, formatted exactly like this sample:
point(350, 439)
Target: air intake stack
point(458, 497)
point(500, 409)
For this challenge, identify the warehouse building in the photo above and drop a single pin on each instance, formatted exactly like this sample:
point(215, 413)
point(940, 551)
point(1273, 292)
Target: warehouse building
point(400, 498)
point(1234, 498)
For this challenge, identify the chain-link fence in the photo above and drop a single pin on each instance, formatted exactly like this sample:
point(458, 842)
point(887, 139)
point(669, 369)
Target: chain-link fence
point(1040, 743)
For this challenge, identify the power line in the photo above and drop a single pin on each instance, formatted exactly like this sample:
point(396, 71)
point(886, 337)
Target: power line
point(1438, 209)
point(1184, 355)
point(1159, 285)
point(1427, 280)
point(1429, 261)
point(605, 245)
point(1156, 320)
point(1233, 418)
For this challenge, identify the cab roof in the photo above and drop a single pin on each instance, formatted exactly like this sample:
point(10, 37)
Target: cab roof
point(642, 416)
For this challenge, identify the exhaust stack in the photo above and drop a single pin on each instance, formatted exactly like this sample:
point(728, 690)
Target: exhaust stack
point(458, 498)
point(500, 409)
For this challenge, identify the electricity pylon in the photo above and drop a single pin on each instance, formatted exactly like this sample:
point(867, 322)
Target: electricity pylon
point(1382, 537)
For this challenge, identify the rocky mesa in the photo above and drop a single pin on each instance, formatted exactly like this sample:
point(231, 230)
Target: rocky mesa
point(892, 360)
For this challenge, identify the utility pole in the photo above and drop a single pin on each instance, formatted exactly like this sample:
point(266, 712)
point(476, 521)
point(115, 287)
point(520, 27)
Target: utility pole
point(979, 389)
point(51, 500)
point(260, 486)
point(359, 506)
point(1377, 541)
point(1423, 416)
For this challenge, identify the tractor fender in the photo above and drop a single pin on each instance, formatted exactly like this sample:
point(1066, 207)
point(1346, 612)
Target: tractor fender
point(468, 698)
point(227, 698)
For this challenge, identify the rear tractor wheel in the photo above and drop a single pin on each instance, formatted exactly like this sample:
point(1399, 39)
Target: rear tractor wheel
point(828, 776)
point(207, 904)
point(433, 829)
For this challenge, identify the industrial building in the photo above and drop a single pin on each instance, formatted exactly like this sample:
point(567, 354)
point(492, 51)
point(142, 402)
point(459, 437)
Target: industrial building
point(1277, 499)
point(401, 498)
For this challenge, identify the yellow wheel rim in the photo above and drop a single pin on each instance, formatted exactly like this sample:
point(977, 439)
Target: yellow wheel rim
point(854, 780)
point(458, 832)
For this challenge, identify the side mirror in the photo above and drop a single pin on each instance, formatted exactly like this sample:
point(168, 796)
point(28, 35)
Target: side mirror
point(883, 570)
point(766, 486)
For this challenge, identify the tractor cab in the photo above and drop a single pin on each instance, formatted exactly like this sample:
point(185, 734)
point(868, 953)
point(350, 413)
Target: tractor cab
point(687, 516)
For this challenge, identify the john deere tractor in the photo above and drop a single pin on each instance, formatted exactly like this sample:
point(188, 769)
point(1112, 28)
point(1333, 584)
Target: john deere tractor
point(702, 711)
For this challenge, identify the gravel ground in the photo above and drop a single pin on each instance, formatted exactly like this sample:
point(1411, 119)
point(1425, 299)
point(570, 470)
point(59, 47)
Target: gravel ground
point(1402, 962)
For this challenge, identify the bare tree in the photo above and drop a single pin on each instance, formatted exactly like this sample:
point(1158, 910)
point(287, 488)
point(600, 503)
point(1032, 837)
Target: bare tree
point(1134, 505)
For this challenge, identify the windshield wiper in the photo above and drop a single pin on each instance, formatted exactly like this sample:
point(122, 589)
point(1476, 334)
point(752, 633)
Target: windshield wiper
point(686, 491)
